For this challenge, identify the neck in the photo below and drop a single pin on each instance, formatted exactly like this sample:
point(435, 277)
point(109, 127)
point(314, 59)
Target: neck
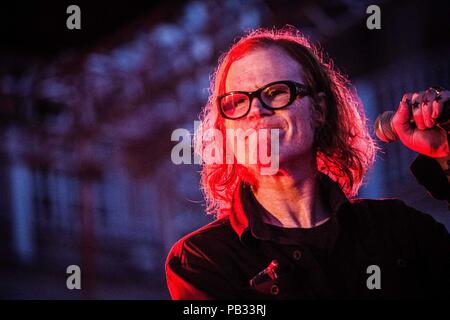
point(292, 197)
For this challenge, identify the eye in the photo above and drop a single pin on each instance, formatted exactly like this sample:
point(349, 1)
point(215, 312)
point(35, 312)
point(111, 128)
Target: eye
point(240, 102)
point(277, 95)
point(234, 103)
point(274, 92)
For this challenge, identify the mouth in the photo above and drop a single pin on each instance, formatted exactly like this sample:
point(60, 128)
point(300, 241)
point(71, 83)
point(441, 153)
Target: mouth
point(270, 126)
point(280, 128)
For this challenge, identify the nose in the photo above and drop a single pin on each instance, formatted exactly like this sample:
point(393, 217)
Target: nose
point(257, 110)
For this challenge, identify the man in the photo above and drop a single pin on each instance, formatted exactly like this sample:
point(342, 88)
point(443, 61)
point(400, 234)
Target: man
point(296, 234)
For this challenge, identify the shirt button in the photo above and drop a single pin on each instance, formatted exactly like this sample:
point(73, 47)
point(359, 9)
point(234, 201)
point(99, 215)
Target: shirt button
point(274, 290)
point(297, 255)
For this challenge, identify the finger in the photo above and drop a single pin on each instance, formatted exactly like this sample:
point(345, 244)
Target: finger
point(401, 120)
point(431, 95)
point(417, 111)
point(417, 97)
point(438, 103)
point(438, 106)
point(403, 114)
point(418, 118)
point(427, 109)
point(407, 97)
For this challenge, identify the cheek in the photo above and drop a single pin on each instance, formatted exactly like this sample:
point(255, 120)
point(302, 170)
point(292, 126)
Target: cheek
point(234, 124)
point(301, 124)
point(227, 124)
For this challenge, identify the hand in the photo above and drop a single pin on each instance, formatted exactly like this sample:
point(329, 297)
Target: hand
point(425, 136)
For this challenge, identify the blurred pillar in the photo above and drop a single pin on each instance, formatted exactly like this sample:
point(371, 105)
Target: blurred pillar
point(375, 186)
point(89, 172)
point(22, 212)
point(87, 236)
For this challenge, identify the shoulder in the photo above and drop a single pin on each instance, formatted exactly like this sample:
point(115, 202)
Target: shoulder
point(203, 242)
point(392, 209)
point(394, 217)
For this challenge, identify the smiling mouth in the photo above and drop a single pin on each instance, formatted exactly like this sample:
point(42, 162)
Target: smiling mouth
point(281, 129)
point(269, 126)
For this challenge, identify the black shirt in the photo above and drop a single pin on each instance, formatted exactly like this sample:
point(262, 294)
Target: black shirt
point(317, 239)
point(218, 261)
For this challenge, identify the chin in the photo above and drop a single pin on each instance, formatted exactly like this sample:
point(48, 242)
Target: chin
point(289, 154)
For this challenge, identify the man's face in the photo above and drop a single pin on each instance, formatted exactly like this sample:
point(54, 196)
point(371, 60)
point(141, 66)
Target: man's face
point(258, 68)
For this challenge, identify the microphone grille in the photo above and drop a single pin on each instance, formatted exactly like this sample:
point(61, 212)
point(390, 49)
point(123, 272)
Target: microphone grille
point(383, 127)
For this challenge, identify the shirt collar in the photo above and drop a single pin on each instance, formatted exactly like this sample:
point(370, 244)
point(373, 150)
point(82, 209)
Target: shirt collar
point(245, 216)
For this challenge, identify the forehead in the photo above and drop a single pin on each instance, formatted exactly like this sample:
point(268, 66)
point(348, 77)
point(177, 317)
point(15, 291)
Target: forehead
point(261, 66)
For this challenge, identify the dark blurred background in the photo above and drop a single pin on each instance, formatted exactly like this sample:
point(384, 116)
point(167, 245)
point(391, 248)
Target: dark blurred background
point(86, 118)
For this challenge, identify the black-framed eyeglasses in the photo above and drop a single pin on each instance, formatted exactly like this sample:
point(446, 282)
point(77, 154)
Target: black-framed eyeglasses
point(273, 96)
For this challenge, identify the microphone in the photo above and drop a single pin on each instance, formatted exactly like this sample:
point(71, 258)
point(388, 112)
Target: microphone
point(386, 133)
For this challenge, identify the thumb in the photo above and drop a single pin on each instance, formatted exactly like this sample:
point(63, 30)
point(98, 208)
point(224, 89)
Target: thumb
point(400, 121)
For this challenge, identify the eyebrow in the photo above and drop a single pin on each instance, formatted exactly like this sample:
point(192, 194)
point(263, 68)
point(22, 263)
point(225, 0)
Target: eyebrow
point(258, 87)
point(255, 88)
